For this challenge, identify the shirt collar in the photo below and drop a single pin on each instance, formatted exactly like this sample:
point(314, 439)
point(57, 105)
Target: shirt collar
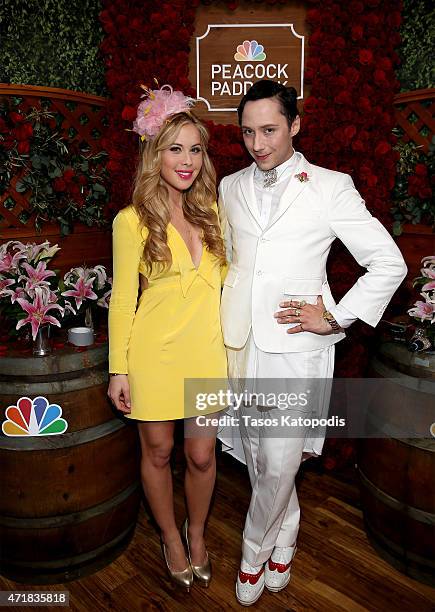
point(283, 169)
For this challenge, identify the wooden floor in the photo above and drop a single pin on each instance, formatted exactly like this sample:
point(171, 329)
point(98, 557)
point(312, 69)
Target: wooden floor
point(335, 567)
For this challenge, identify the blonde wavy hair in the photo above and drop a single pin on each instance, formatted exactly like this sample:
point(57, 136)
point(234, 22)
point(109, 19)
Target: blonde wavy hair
point(151, 196)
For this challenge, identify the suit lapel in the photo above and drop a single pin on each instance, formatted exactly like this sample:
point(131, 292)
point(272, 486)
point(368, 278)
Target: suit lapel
point(248, 192)
point(293, 189)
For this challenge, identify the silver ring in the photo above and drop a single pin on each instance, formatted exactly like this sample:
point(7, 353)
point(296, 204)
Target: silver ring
point(297, 312)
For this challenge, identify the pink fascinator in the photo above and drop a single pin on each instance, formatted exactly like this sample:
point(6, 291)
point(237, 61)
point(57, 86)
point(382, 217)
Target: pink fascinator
point(157, 107)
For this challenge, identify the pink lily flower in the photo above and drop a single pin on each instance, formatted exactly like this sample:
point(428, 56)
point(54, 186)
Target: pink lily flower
point(11, 245)
point(68, 307)
point(428, 269)
point(36, 252)
point(429, 286)
point(104, 299)
point(47, 295)
point(31, 250)
point(16, 293)
point(429, 297)
point(37, 313)
point(10, 261)
point(36, 276)
point(101, 275)
point(422, 310)
point(5, 282)
point(82, 290)
point(428, 272)
point(82, 272)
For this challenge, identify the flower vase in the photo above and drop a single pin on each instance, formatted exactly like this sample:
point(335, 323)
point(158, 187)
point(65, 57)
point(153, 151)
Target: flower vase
point(88, 318)
point(41, 345)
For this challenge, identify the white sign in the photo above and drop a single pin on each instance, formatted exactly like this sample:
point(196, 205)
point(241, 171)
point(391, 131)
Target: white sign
point(229, 61)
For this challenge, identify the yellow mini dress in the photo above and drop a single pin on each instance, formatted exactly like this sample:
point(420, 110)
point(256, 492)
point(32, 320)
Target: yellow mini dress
point(172, 332)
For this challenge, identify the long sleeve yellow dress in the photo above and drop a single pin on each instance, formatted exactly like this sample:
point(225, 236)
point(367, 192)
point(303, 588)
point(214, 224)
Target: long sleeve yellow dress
point(172, 332)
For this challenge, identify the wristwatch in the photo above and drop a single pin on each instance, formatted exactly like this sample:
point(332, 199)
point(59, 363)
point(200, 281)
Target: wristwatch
point(332, 322)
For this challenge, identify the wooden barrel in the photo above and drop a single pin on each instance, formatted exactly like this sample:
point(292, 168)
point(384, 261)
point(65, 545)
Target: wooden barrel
point(397, 474)
point(69, 502)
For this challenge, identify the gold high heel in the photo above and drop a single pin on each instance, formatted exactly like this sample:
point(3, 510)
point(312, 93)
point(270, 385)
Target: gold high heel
point(183, 578)
point(202, 572)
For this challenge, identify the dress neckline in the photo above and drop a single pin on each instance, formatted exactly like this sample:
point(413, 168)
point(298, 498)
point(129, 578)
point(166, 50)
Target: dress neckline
point(187, 248)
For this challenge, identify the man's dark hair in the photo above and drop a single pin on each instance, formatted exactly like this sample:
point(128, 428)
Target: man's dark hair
point(286, 96)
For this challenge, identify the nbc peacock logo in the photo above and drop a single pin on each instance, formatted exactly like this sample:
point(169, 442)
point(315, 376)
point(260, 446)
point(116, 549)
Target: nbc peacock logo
point(34, 418)
point(250, 51)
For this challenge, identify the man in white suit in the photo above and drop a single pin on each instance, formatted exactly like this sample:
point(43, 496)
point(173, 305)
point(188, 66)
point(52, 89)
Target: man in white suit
point(279, 217)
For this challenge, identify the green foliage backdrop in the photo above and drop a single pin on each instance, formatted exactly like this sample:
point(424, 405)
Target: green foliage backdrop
point(418, 42)
point(52, 43)
point(55, 43)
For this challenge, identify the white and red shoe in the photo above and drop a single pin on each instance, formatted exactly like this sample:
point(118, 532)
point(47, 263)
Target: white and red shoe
point(277, 573)
point(250, 584)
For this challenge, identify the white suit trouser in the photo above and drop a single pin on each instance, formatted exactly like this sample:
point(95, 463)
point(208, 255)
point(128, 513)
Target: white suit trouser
point(273, 462)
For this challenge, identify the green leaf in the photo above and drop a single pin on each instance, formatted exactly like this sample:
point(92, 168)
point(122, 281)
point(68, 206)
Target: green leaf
point(54, 172)
point(65, 226)
point(44, 160)
point(35, 161)
point(397, 228)
point(20, 187)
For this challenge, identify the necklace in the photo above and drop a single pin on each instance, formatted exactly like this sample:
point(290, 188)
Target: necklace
point(270, 177)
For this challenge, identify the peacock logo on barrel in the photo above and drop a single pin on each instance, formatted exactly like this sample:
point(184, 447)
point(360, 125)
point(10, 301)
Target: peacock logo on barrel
point(35, 417)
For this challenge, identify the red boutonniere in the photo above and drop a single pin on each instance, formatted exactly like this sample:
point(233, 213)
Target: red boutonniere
point(302, 177)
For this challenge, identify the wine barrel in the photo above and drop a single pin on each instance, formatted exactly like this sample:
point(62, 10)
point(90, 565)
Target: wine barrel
point(68, 502)
point(397, 474)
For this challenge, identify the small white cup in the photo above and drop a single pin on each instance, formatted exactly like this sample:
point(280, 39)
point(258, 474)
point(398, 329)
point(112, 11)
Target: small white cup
point(81, 336)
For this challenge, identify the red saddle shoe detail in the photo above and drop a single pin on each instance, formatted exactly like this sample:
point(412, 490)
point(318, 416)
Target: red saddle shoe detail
point(279, 567)
point(251, 578)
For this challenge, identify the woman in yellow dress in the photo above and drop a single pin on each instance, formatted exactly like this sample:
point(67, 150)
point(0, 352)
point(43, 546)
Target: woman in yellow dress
point(170, 238)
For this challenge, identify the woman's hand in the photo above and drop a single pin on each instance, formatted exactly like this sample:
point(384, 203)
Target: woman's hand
point(119, 393)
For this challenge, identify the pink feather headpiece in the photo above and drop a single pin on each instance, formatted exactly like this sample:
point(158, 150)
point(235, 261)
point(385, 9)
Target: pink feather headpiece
point(157, 107)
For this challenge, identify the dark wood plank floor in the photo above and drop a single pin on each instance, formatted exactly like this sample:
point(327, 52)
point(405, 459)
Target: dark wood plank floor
point(335, 568)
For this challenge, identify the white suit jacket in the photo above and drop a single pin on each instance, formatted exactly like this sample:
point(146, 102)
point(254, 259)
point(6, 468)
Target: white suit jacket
point(287, 259)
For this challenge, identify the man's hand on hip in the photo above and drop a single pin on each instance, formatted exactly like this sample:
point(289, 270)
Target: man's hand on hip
point(309, 317)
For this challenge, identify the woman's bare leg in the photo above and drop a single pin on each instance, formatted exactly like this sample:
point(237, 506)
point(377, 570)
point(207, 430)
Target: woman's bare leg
point(157, 441)
point(199, 484)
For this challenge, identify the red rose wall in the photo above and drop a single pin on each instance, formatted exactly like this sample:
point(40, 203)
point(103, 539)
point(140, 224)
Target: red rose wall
point(347, 119)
